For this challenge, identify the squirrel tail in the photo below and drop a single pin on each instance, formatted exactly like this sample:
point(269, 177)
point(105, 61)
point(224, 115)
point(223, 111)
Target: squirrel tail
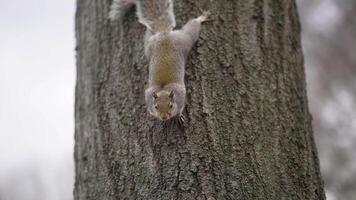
point(119, 8)
point(156, 15)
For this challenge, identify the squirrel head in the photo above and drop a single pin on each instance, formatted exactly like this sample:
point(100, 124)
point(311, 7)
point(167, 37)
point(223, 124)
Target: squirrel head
point(164, 105)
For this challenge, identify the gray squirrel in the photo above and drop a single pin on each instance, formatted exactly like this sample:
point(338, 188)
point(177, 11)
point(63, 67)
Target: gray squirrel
point(167, 51)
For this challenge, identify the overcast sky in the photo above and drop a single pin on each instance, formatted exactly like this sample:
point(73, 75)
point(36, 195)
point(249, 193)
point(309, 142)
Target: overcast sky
point(37, 69)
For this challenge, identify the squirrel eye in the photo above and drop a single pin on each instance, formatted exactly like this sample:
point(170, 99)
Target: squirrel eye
point(156, 106)
point(170, 105)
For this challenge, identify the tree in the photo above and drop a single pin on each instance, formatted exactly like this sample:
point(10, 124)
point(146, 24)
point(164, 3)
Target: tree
point(248, 133)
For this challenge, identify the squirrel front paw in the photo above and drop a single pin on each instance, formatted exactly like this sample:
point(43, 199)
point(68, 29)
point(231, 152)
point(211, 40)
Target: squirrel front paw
point(180, 119)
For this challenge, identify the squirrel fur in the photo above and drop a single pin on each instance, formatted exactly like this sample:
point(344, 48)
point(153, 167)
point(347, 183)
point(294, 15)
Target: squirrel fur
point(167, 51)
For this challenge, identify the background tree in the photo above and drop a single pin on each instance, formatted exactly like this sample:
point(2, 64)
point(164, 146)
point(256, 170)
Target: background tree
point(249, 132)
point(329, 27)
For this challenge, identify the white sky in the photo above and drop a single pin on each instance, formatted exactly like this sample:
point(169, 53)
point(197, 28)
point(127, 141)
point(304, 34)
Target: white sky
point(37, 68)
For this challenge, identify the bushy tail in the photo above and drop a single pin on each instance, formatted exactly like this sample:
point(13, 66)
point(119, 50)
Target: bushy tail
point(156, 15)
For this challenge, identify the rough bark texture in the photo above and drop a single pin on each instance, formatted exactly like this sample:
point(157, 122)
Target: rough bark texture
point(249, 133)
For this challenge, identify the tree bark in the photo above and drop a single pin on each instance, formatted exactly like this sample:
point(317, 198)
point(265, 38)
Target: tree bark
point(248, 133)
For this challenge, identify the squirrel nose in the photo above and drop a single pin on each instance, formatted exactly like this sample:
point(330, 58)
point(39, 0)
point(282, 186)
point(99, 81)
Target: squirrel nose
point(164, 116)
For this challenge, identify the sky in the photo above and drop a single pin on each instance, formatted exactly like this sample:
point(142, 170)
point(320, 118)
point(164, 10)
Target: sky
point(37, 67)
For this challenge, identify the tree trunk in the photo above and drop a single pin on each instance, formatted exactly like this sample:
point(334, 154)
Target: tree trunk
point(248, 133)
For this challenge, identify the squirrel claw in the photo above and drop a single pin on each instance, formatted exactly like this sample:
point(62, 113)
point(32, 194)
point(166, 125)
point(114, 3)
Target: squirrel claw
point(204, 16)
point(181, 120)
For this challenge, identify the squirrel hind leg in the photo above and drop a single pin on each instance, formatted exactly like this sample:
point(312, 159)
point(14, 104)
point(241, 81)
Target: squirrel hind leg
point(204, 17)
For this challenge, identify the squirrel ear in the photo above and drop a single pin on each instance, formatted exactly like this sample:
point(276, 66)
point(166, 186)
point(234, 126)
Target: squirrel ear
point(171, 94)
point(155, 95)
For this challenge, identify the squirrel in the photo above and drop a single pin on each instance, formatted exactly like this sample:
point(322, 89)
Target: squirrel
point(167, 51)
